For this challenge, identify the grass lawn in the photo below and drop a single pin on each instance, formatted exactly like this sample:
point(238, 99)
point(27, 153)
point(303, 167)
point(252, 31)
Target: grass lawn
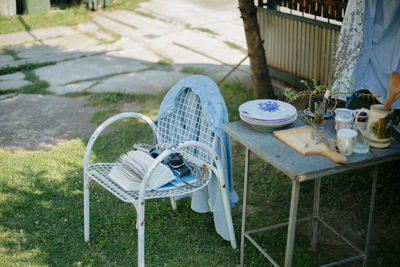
point(41, 207)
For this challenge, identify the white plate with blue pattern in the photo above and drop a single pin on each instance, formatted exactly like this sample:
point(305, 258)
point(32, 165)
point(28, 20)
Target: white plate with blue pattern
point(269, 123)
point(244, 117)
point(267, 126)
point(267, 110)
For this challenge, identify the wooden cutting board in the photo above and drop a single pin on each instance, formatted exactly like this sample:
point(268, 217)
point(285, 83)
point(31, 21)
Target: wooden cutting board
point(300, 139)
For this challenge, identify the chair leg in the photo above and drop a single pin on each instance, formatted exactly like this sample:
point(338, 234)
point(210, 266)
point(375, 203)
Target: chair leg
point(86, 211)
point(173, 203)
point(228, 216)
point(140, 227)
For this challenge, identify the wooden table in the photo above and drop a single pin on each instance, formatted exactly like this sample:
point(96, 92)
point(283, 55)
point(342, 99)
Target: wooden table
point(301, 168)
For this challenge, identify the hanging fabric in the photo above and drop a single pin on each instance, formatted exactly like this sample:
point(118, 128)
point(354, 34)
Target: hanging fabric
point(380, 51)
point(375, 26)
point(350, 38)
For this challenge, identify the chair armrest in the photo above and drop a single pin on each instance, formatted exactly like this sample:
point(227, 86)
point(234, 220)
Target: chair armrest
point(106, 123)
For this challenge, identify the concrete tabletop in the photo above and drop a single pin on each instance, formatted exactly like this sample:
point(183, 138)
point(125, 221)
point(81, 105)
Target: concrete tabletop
point(296, 165)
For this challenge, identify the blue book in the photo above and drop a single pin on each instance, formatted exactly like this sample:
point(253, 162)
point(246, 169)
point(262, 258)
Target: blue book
point(177, 182)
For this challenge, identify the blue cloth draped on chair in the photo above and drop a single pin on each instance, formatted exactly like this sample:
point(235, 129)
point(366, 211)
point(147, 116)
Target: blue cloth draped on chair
point(216, 114)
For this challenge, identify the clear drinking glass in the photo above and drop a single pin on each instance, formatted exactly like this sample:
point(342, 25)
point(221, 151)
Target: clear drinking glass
point(363, 137)
point(319, 113)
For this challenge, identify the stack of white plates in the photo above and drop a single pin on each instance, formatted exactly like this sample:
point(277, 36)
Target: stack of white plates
point(267, 114)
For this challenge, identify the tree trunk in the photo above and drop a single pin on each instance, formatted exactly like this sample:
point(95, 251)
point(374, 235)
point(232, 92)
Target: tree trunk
point(258, 63)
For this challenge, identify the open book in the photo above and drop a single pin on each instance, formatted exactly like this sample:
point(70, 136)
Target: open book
point(132, 167)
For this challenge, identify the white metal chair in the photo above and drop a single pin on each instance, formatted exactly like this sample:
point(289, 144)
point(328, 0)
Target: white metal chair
point(185, 131)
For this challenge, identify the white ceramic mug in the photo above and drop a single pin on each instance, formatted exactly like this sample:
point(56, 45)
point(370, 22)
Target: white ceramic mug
point(345, 140)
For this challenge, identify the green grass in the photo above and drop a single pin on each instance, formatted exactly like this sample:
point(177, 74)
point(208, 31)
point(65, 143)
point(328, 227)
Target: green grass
point(126, 4)
point(37, 86)
point(25, 67)
point(110, 104)
point(144, 14)
point(41, 206)
point(193, 70)
point(11, 53)
point(236, 46)
point(164, 65)
point(205, 30)
point(68, 17)
point(202, 29)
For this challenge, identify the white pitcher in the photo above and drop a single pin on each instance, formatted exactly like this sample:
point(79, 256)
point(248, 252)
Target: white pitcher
point(377, 121)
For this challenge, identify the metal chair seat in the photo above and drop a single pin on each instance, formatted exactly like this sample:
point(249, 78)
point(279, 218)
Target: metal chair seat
point(99, 172)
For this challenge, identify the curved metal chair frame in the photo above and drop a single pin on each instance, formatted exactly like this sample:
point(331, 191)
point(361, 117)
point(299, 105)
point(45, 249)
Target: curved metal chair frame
point(185, 131)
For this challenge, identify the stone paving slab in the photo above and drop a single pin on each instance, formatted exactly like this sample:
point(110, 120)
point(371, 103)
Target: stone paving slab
point(208, 14)
point(87, 68)
point(163, 44)
point(54, 46)
point(5, 60)
point(147, 82)
point(212, 48)
point(156, 35)
point(133, 26)
point(135, 51)
point(57, 57)
point(34, 35)
point(228, 31)
point(71, 88)
point(141, 25)
point(58, 49)
point(2, 97)
point(13, 81)
point(92, 28)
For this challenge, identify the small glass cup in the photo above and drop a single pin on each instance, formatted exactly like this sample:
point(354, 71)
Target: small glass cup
point(363, 133)
point(362, 142)
point(343, 124)
point(319, 113)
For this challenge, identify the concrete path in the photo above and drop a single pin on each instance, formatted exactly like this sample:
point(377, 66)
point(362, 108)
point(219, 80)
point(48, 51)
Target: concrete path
point(146, 51)
point(118, 51)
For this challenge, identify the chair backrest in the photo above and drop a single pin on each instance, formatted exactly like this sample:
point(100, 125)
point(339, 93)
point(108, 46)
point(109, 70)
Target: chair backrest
point(187, 123)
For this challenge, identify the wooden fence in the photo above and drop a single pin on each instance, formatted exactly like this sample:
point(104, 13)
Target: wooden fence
point(299, 39)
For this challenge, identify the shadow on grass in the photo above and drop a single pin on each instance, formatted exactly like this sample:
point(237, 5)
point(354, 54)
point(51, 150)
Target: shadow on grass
point(42, 221)
point(41, 218)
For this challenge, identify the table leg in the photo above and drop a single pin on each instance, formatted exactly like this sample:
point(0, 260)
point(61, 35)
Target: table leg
point(371, 213)
point(292, 223)
point(246, 173)
point(317, 189)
